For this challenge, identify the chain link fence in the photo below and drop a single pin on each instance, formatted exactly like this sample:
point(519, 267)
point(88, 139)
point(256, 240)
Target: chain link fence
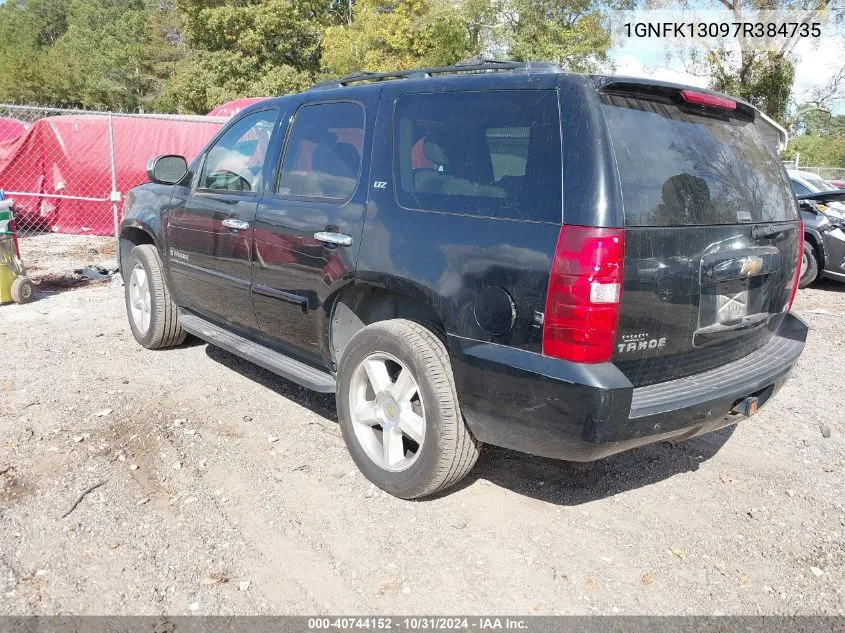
point(825, 173)
point(68, 171)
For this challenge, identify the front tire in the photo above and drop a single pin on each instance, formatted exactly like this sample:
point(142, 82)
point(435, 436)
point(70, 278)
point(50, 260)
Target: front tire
point(399, 412)
point(153, 316)
point(809, 265)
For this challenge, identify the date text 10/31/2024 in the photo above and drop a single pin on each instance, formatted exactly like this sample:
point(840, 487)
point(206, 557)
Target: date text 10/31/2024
point(417, 624)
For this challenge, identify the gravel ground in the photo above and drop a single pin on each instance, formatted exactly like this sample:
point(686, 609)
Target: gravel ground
point(52, 257)
point(229, 491)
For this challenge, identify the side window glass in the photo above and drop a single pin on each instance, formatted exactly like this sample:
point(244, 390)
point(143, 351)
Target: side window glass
point(235, 161)
point(494, 153)
point(323, 153)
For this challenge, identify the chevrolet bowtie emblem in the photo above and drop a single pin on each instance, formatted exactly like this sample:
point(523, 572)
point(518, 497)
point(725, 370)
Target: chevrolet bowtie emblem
point(752, 266)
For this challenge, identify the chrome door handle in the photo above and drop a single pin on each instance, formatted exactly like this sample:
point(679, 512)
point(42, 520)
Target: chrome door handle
point(236, 225)
point(335, 239)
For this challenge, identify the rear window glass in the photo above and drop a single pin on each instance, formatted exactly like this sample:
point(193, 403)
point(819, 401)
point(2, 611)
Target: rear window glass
point(493, 153)
point(679, 167)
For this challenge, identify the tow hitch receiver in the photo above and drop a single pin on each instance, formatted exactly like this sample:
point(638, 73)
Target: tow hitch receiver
point(747, 407)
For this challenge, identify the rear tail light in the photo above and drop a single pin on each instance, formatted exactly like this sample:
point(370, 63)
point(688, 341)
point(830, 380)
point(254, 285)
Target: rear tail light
point(706, 99)
point(797, 278)
point(585, 287)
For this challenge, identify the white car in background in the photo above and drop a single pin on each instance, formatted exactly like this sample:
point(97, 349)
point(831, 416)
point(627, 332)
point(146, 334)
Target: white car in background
point(804, 182)
point(808, 182)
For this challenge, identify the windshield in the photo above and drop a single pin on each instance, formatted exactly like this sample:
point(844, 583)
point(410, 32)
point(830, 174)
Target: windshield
point(680, 166)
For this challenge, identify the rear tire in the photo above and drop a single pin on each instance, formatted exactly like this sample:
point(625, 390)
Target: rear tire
point(153, 316)
point(382, 353)
point(811, 272)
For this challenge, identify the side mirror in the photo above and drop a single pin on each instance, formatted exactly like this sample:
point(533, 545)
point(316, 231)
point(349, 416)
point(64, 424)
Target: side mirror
point(167, 170)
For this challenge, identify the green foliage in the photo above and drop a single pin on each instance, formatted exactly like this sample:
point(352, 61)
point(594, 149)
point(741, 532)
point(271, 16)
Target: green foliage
point(210, 78)
point(25, 32)
point(762, 78)
point(84, 53)
point(568, 32)
point(281, 32)
point(245, 48)
point(191, 55)
point(817, 122)
point(820, 140)
point(396, 35)
point(818, 151)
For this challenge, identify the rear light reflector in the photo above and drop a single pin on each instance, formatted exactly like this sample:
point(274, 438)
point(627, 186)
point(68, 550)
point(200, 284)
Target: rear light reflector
point(797, 278)
point(605, 293)
point(585, 288)
point(705, 99)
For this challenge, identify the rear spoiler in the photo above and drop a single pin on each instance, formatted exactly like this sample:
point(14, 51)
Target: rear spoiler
point(824, 196)
point(674, 93)
point(772, 130)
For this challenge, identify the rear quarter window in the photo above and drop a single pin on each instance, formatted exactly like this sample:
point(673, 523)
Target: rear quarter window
point(492, 153)
point(679, 166)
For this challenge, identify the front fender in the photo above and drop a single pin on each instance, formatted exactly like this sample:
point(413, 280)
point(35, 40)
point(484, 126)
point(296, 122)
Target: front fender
point(818, 241)
point(149, 223)
point(814, 224)
point(142, 212)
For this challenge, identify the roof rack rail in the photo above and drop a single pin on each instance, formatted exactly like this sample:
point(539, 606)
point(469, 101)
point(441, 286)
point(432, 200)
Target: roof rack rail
point(473, 65)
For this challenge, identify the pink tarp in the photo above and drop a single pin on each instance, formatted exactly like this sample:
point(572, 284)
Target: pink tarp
point(69, 156)
point(11, 128)
point(233, 107)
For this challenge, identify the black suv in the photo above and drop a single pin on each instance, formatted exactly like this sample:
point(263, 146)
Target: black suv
point(560, 264)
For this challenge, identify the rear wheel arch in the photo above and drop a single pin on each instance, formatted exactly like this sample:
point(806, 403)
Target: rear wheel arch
point(361, 305)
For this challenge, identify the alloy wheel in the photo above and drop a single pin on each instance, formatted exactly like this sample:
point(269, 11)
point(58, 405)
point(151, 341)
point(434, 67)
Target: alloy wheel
point(387, 411)
point(140, 301)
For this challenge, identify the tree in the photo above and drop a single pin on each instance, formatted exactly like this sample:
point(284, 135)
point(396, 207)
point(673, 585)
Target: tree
point(763, 76)
point(389, 35)
point(569, 32)
point(820, 138)
point(27, 30)
point(246, 48)
point(101, 61)
point(83, 53)
point(814, 121)
point(395, 34)
point(191, 55)
point(817, 151)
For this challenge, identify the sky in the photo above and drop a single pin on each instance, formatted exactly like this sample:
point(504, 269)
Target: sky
point(817, 62)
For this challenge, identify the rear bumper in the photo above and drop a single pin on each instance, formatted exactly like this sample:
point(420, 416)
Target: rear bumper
point(552, 408)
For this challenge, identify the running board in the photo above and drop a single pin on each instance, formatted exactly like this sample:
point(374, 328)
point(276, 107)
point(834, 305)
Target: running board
point(279, 364)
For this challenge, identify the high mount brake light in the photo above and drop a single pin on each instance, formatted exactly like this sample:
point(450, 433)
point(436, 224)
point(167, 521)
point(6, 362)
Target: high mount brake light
point(705, 99)
point(585, 288)
point(797, 279)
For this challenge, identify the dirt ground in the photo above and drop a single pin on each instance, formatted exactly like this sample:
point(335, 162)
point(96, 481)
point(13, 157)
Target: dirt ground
point(228, 490)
